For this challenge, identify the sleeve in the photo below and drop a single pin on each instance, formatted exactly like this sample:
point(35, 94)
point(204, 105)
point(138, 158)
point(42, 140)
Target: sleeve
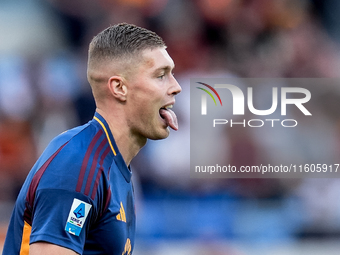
point(62, 217)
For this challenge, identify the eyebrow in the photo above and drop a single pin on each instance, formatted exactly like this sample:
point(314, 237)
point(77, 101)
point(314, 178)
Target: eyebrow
point(164, 68)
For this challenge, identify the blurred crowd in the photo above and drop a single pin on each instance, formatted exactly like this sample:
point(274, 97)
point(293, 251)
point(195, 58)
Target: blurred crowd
point(44, 91)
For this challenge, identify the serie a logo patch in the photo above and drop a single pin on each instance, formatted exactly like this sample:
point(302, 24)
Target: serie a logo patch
point(77, 216)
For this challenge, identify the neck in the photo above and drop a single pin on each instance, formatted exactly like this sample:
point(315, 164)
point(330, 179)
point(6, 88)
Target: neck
point(128, 144)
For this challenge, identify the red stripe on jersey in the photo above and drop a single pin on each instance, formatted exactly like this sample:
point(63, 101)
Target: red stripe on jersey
point(93, 167)
point(34, 185)
point(96, 183)
point(86, 160)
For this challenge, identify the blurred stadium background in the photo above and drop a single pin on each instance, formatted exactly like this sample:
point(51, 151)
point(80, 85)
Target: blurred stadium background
point(43, 92)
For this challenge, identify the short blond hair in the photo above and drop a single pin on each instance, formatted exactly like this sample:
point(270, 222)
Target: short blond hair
point(122, 40)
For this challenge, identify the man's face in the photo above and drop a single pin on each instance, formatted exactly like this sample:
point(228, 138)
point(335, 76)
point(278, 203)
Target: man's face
point(151, 91)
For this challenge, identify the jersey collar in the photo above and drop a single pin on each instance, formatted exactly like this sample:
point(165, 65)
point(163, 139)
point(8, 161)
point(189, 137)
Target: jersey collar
point(118, 158)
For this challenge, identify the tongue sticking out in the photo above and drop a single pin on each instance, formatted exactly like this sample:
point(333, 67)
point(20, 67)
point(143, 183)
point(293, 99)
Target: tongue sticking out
point(170, 118)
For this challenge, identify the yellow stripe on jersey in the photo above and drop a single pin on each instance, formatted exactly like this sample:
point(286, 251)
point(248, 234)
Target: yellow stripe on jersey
point(25, 242)
point(121, 215)
point(106, 133)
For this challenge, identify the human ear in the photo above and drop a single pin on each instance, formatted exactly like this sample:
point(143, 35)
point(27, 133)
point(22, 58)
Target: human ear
point(117, 88)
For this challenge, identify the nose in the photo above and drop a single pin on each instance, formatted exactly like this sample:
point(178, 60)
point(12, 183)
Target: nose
point(175, 88)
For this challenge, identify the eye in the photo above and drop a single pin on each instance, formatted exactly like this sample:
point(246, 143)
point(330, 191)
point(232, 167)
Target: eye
point(161, 76)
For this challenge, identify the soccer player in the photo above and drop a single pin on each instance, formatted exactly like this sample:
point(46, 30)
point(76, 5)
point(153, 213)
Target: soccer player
point(78, 197)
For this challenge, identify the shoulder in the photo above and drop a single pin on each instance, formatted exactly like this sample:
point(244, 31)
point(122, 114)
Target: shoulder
point(68, 159)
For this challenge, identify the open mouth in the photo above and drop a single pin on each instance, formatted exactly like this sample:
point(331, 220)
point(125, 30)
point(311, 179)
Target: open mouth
point(169, 116)
point(165, 108)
